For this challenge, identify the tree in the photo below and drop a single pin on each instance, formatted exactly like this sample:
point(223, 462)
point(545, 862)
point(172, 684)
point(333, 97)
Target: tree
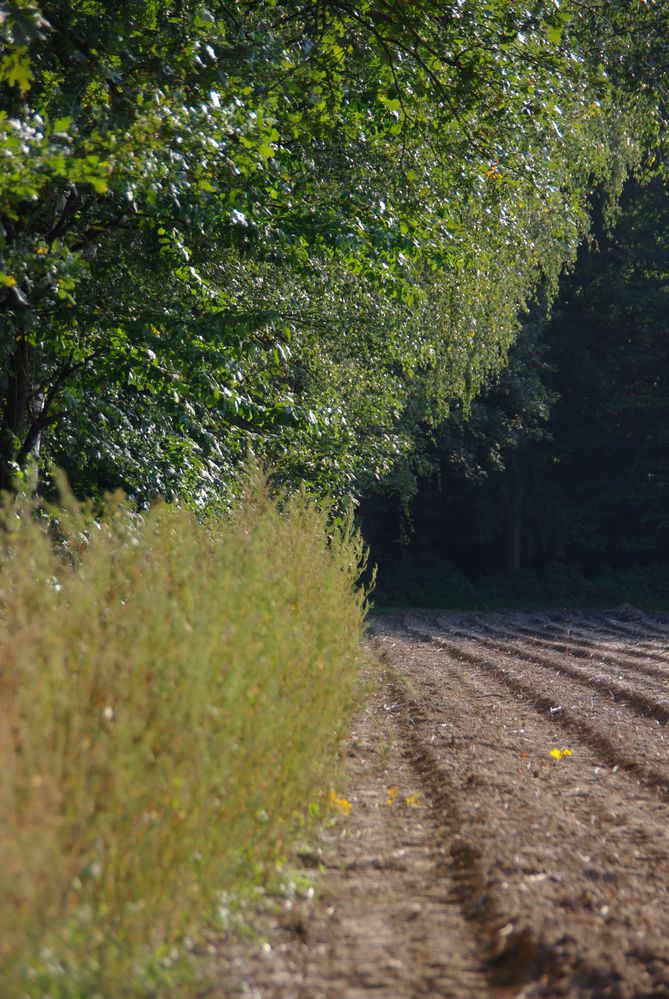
point(564, 457)
point(477, 498)
point(608, 341)
point(301, 228)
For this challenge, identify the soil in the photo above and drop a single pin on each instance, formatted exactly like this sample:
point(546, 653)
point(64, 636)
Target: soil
point(479, 859)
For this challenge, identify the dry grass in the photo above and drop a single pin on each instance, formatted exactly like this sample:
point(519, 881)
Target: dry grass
point(167, 707)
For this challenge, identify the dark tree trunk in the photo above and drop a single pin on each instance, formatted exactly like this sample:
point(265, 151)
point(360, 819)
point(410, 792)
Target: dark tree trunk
point(17, 413)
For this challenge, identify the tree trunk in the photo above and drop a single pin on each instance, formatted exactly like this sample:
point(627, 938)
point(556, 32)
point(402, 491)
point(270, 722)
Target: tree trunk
point(16, 410)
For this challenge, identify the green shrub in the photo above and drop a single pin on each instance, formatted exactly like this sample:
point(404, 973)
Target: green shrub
point(172, 693)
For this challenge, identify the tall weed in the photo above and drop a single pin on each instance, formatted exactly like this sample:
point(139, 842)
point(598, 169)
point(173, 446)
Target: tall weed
point(172, 693)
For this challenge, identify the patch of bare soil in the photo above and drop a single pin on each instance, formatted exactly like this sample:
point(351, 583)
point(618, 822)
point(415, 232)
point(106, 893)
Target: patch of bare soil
point(474, 861)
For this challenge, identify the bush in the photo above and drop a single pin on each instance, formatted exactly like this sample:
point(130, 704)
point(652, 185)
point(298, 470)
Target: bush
point(172, 693)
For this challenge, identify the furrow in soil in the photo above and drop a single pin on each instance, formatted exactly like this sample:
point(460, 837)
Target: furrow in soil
point(387, 919)
point(565, 862)
point(508, 829)
point(629, 657)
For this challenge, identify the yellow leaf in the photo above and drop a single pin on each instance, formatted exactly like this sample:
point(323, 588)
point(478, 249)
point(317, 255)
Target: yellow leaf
point(415, 801)
point(392, 795)
point(340, 804)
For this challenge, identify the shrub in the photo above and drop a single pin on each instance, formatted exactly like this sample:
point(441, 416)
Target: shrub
point(172, 693)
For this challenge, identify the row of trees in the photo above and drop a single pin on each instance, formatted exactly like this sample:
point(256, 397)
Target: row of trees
point(301, 229)
point(564, 458)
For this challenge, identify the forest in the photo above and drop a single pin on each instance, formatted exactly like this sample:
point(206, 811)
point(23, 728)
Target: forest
point(307, 232)
point(552, 487)
point(305, 306)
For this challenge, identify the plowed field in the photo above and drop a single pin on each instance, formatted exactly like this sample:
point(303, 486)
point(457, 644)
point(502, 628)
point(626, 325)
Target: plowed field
point(509, 829)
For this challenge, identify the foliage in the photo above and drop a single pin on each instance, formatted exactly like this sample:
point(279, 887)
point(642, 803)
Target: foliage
point(580, 417)
point(455, 499)
point(432, 581)
point(173, 695)
point(298, 229)
point(610, 426)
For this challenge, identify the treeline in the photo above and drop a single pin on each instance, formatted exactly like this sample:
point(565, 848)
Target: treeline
point(299, 230)
point(560, 475)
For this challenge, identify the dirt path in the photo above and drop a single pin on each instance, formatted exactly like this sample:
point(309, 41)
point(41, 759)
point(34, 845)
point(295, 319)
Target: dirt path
point(473, 862)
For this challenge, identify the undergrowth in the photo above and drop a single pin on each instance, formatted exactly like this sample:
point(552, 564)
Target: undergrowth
point(436, 583)
point(172, 695)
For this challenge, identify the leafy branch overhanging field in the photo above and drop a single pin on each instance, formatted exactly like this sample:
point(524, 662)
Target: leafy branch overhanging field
point(305, 228)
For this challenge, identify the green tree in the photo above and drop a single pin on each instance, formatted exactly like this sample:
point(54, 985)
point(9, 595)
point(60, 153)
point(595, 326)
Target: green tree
point(564, 457)
point(610, 427)
point(477, 496)
point(299, 228)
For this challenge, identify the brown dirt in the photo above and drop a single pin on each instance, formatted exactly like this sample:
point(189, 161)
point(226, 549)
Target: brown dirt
point(508, 872)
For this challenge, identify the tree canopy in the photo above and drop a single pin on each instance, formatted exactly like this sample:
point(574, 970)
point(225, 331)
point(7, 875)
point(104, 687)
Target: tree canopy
point(560, 474)
point(302, 230)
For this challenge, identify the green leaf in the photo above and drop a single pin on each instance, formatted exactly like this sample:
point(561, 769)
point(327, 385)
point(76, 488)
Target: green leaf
point(23, 23)
point(62, 125)
point(15, 69)
point(99, 184)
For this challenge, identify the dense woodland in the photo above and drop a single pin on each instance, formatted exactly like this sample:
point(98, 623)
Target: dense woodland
point(563, 459)
point(344, 239)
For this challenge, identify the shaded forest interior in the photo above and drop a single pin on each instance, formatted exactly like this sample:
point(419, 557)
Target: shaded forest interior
point(554, 489)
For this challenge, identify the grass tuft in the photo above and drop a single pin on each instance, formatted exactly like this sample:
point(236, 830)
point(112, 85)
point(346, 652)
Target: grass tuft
point(172, 696)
